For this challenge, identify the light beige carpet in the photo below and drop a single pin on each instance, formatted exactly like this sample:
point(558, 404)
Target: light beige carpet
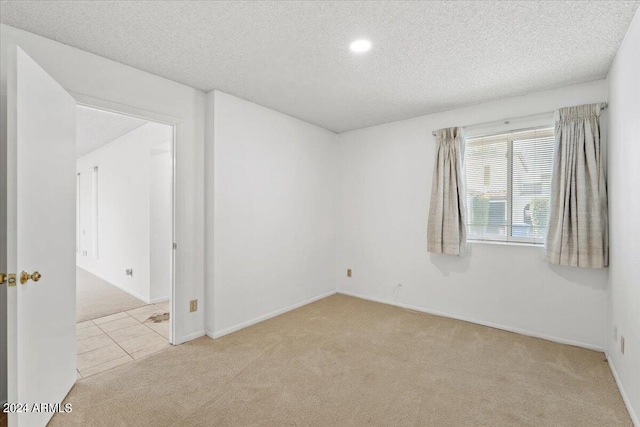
point(97, 298)
point(343, 361)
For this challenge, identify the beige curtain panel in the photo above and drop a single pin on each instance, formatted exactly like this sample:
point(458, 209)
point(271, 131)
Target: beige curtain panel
point(578, 225)
point(447, 229)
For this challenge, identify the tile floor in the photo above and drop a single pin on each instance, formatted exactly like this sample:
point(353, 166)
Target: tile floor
point(109, 341)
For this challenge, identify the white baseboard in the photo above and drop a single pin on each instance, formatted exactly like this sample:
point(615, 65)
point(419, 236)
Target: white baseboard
point(129, 291)
point(185, 338)
point(625, 398)
point(157, 300)
point(479, 322)
point(259, 319)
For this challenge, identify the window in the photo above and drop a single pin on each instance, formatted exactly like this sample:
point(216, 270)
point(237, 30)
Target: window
point(509, 185)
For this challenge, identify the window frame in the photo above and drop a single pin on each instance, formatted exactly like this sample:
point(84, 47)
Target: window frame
point(508, 239)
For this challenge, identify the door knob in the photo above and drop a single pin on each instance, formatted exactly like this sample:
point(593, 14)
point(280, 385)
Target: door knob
point(3, 278)
point(24, 277)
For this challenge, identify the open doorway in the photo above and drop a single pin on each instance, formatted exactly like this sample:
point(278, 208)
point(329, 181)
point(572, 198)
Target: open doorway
point(124, 235)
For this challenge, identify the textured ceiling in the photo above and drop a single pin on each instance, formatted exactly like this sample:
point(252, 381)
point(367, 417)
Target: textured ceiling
point(96, 128)
point(293, 56)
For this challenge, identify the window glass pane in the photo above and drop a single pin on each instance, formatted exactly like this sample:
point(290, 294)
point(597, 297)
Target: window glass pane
point(486, 165)
point(532, 167)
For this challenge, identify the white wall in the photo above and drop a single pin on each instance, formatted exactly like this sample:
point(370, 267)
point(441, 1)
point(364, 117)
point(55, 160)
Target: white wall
point(3, 250)
point(125, 182)
point(385, 175)
point(131, 90)
point(624, 216)
point(270, 185)
point(160, 224)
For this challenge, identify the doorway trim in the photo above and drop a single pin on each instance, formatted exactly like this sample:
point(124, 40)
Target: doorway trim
point(177, 138)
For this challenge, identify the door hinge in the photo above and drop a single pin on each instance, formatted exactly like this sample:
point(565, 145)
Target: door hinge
point(175, 246)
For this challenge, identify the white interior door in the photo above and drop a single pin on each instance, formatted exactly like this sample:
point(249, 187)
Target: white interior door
point(41, 185)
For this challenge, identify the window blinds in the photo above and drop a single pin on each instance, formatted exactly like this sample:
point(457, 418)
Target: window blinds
point(508, 179)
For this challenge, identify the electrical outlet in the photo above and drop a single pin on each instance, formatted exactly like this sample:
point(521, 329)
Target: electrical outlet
point(348, 272)
point(193, 305)
point(129, 272)
point(622, 343)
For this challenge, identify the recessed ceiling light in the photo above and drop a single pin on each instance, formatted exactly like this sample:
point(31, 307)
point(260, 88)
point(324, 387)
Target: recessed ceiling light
point(360, 46)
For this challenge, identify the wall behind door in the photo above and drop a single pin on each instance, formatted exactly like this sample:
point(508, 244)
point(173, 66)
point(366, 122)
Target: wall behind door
point(160, 222)
point(124, 211)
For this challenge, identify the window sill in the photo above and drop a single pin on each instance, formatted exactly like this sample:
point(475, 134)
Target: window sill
point(497, 242)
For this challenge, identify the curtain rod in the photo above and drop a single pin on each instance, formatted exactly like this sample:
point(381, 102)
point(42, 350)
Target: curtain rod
point(603, 106)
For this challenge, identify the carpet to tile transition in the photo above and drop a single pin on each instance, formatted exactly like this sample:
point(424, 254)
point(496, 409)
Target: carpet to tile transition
point(343, 361)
